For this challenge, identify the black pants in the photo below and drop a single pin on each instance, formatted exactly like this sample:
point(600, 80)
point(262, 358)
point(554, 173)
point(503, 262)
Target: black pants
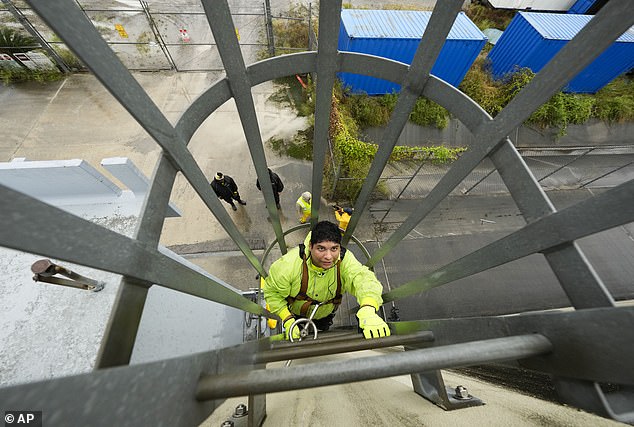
point(233, 197)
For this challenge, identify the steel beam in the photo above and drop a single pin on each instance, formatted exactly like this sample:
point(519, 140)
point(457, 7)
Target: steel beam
point(94, 246)
point(66, 19)
point(221, 24)
point(329, 17)
point(609, 24)
point(433, 39)
point(602, 212)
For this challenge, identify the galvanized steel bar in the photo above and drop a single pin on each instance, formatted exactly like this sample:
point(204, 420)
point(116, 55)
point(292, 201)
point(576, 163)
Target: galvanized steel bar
point(65, 18)
point(80, 241)
point(329, 17)
point(609, 24)
point(582, 284)
point(342, 347)
point(433, 39)
point(369, 368)
point(607, 210)
point(221, 24)
point(120, 334)
point(586, 344)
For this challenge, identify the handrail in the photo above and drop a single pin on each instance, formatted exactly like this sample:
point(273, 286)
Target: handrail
point(262, 381)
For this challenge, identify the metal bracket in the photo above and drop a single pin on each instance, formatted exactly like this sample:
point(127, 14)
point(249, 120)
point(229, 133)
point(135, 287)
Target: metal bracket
point(588, 395)
point(45, 271)
point(431, 386)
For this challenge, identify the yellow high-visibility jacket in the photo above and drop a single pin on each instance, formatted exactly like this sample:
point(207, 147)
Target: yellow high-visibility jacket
point(285, 277)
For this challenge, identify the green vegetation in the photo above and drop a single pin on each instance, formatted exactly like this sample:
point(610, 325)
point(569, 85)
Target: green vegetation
point(67, 56)
point(372, 111)
point(12, 41)
point(13, 75)
point(485, 17)
point(613, 103)
point(354, 156)
point(291, 35)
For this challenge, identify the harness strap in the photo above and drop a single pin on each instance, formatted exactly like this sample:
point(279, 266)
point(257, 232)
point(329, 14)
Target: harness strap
point(302, 296)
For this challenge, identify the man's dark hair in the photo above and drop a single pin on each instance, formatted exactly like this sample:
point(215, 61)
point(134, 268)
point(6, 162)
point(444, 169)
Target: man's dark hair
point(325, 231)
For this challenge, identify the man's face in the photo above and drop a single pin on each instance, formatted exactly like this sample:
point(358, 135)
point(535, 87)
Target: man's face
point(324, 254)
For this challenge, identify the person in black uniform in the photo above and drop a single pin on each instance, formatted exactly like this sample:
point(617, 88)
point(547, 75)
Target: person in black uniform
point(278, 186)
point(226, 189)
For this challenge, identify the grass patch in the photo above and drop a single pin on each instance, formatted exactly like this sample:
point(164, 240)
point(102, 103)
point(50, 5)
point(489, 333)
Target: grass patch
point(300, 147)
point(485, 17)
point(15, 75)
point(615, 102)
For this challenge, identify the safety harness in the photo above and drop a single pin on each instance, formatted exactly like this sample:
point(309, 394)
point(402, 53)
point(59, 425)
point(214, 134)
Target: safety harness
point(301, 295)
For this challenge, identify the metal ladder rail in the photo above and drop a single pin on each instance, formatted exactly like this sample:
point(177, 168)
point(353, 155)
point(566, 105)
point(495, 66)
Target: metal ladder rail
point(261, 381)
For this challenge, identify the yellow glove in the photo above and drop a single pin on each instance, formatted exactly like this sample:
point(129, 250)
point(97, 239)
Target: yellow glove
point(287, 325)
point(373, 326)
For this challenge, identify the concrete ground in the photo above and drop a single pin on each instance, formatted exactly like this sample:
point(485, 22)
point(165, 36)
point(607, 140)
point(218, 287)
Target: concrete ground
point(77, 118)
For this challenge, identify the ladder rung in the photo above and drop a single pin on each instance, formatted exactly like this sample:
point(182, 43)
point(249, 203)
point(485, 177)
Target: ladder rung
point(262, 381)
point(341, 347)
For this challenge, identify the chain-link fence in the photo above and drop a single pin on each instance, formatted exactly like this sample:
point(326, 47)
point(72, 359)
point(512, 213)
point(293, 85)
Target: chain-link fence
point(145, 35)
point(554, 168)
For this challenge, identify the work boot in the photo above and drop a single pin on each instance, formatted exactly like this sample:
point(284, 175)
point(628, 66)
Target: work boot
point(234, 207)
point(242, 202)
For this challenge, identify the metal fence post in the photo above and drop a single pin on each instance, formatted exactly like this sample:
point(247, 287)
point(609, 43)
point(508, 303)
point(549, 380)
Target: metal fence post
point(268, 22)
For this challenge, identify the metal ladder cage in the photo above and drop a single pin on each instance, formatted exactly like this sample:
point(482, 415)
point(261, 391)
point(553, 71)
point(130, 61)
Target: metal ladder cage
point(578, 348)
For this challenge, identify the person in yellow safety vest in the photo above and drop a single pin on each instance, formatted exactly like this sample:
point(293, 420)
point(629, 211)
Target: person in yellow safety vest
point(343, 216)
point(304, 206)
point(320, 272)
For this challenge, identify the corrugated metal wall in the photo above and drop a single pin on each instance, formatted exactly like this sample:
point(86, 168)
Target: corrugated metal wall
point(395, 34)
point(532, 39)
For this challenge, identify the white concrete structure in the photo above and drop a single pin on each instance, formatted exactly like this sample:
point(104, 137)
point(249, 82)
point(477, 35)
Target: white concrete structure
point(75, 183)
point(49, 330)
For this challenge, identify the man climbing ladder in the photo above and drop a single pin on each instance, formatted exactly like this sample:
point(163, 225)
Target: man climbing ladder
point(319, 272)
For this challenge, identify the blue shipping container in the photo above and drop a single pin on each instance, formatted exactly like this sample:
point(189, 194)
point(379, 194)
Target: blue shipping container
point(532, 39)
point(581, 6)
point(395, 34)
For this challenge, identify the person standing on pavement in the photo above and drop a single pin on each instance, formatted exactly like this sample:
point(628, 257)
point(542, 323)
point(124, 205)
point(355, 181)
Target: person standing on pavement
point(315, 277)
point(226, 189)
point(343, 216)
point(278, 186)
point(304, 207)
